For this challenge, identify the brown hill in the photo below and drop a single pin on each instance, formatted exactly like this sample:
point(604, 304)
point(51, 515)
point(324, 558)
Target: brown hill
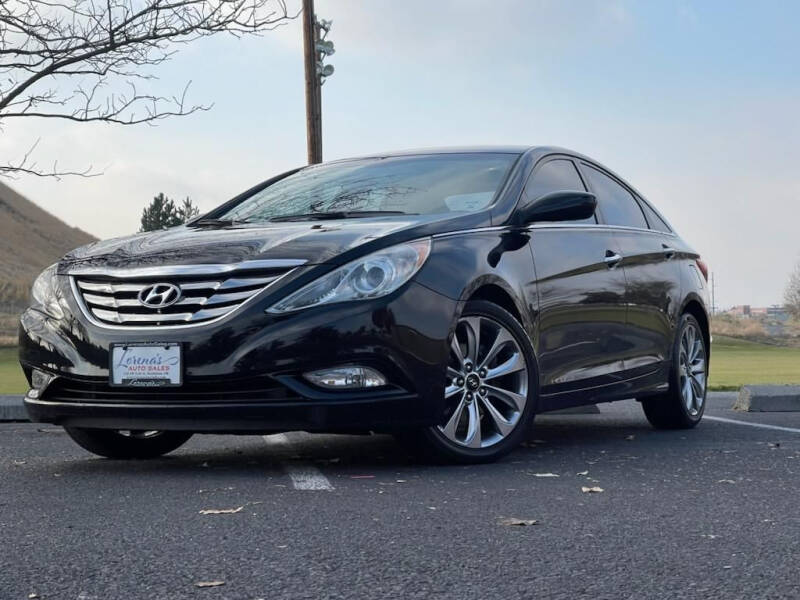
point(30, 240)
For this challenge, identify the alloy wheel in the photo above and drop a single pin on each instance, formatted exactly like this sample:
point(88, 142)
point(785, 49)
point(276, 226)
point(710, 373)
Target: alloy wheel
point(487, 383)
point(692, 370)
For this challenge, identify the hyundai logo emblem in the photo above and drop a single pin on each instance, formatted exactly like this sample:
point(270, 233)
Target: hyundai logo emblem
point(159, 295)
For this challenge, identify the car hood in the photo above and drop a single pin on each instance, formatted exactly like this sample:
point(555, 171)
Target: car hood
point(314, 242)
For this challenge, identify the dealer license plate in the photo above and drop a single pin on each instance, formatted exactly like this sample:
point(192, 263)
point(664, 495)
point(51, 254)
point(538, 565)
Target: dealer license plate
point(146, 365)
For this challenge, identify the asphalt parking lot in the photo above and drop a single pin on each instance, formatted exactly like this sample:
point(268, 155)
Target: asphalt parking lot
point(708, 513)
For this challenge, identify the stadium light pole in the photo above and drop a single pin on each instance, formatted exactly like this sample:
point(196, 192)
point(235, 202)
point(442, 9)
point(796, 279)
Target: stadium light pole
point(315, 48)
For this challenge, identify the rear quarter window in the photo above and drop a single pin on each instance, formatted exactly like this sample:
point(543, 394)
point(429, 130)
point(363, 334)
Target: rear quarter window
point(617, 204)
point(653, 220)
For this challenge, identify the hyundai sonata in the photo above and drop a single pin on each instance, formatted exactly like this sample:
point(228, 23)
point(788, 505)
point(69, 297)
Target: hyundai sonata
point(445, 296)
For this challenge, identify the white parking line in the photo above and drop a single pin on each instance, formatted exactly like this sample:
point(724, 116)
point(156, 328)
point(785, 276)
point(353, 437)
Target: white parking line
point(748, 424)
point(303, 476)
point(306, 477)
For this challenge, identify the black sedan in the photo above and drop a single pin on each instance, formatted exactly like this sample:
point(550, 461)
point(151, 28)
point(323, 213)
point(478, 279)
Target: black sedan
point(444, 296)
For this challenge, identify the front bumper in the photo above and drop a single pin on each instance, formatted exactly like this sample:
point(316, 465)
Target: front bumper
point(244, 374)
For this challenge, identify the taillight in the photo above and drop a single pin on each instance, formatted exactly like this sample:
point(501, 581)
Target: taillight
point(703, 268)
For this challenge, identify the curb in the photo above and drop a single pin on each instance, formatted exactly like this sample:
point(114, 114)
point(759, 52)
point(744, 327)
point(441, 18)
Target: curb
point(12, 409)
point(768, 398)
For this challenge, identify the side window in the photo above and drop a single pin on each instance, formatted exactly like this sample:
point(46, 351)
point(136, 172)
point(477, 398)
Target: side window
point(616, 203)
point(655, 222)
point(554, 176)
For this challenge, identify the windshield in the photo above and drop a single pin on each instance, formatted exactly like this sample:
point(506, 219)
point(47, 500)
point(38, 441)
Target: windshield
point(429, 184)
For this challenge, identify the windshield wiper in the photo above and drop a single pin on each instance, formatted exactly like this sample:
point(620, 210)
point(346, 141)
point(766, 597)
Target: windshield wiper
point(350, 214)
point(213, 223)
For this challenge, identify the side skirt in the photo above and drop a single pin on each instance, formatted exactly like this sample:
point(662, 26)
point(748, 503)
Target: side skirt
point(653, 382)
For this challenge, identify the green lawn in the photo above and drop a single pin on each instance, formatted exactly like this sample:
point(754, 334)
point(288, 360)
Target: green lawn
point(733, 364)
point(737, 362)
point(12, 381)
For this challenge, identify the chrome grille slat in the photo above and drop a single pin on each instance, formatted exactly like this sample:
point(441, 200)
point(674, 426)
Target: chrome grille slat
point(201, 300)
point(202, 285)
point(220, 298)
point(116, 317)
point(113, 300)
point(108, 288)
point(210, 313)
point(245, 282)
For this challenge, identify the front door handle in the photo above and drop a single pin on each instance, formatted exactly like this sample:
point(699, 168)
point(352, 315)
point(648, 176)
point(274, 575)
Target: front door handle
point(669, 251)
point(612, 259)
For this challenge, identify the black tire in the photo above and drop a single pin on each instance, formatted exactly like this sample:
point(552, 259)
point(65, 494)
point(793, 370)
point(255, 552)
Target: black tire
point(431, 444)
point(112, 443)
point(670, 410)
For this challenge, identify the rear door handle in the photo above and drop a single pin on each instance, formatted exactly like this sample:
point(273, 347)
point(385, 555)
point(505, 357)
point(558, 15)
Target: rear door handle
point(612, 259)
point(669, 251)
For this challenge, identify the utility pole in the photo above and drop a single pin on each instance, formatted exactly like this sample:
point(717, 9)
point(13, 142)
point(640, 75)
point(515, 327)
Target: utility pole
point(713, 295)
point(315, 48)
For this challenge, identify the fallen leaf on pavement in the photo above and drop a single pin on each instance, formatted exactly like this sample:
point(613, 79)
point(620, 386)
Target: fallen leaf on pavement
point(205, 584)
point(592, 490)
point(512, 522)
point(545, 474)
point(221, 511)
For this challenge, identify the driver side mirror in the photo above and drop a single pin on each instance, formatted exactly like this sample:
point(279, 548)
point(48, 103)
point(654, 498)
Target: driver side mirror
point(559, 206)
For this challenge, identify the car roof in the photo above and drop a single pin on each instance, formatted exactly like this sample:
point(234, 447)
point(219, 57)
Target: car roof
point(506, 149)
point(536, 150)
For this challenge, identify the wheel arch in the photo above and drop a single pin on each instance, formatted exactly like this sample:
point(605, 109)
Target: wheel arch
point(496, 290)
point(694, 307)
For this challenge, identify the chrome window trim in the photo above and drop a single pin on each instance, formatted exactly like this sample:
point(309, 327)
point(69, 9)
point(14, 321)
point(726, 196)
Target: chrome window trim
point(590, 226)
point(205, 269)
point(474, 230)
point(97, 323)
point(603, 226)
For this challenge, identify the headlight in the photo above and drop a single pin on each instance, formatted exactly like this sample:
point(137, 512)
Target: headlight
point(44, 293)
point(372, 276)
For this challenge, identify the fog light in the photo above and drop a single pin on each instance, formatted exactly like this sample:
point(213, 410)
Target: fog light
point(39, 382)
point(346, 378)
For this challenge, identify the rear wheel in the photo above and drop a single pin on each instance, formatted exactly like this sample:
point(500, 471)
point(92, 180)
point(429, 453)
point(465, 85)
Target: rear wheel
point(682, 407)
point(491, 383)
point(126, 444)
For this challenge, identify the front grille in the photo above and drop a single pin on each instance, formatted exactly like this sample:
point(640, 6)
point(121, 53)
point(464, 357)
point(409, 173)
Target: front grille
point(203, 298)
point(201, 391)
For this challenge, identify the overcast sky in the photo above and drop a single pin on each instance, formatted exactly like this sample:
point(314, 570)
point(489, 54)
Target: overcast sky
point(695, 103)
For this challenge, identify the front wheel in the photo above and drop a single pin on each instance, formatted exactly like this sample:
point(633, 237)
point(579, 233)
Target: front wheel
point(490, 390)
point(682, 407)
point(127, 444)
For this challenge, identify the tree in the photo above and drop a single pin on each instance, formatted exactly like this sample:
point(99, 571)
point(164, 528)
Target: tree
point(187, 210)
point(792, 295)
point(85, 61)
point(163, 213)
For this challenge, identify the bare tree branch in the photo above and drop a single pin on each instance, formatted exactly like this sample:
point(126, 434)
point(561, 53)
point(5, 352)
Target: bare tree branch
point(26, 166)
point(80, 60)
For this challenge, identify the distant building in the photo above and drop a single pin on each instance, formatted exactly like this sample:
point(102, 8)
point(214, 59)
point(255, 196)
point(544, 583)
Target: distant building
point(776, 312)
